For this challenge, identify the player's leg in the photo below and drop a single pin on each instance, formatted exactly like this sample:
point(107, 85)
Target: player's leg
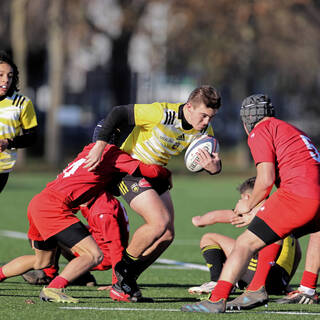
point(266, 259)
point(256, 293)
point(306, 293)
point(78, 239)
point(245, 246)
point(156, 217)
point(215, 248)
point(150, 255)
point(45, 275)
point(44, 253)
point(145, 201)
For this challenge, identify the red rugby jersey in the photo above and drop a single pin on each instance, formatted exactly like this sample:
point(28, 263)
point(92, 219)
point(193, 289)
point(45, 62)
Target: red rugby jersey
point(296, 159)
point(76, 185)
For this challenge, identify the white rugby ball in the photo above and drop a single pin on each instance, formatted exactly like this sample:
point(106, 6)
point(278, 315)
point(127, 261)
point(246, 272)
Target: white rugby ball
point(206, 142)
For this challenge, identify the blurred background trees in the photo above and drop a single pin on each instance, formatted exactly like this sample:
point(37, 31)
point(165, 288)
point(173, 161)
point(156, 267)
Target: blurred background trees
point(79, 58)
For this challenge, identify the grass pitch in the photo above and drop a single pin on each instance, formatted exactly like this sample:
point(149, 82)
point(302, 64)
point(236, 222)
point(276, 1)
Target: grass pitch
point(166, 283)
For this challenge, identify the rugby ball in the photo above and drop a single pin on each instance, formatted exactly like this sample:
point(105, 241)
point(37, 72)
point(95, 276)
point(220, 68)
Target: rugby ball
point(206, 142)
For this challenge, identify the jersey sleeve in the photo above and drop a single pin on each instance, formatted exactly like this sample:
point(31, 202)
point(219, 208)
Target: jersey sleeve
point(261, 146)
point(28, 116)
point(148, 115)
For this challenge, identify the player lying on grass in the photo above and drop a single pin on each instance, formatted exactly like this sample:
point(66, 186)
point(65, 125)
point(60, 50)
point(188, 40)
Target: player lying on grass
point(284, 157)
point(52, 218)
point(273, 267)
point(306, 293)
point(153, 133)
point(108, 224)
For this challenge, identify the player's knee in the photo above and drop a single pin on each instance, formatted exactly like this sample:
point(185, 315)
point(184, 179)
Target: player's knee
point(207, 240)
point(96, 257)
point(169, 235)
point(160, 223)
point(246, 243)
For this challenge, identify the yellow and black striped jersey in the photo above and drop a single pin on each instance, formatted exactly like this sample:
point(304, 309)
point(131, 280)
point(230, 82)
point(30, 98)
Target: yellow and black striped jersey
point(16, 113)
point(158, 133)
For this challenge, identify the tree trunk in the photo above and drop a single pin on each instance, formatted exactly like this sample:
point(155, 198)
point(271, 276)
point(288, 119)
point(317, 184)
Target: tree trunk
point(19, 48)
point(56, 65)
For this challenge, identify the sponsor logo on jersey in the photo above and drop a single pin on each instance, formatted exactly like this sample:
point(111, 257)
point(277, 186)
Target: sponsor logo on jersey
point(135, 188)
point(143, 183)
point(166, 139)
point(181, 137)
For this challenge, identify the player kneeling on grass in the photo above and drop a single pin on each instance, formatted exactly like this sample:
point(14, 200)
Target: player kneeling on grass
point(52, 218)
point(108, 224)
point(271, 269)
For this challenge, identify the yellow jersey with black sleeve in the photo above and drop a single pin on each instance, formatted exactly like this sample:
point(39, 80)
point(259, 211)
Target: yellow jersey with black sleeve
point(16, 113)
point(158, 133)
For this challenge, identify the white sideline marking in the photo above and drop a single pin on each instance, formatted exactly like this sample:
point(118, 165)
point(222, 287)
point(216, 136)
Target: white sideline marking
point(13, 234)
point(174, 310)
point(117, 309)
point(175, 264)
point(183, 264)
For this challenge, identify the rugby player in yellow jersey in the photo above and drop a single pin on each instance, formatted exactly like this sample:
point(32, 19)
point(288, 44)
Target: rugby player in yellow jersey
point(18, 120)
point(153, 133)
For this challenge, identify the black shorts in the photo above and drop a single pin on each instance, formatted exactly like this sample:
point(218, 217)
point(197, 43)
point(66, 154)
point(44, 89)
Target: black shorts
point(131, 186)
point(68, 237)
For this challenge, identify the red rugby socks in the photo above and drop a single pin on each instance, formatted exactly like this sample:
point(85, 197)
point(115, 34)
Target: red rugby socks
point(309, 279)
point(58, 283)
point(266, 259)
point(221, 291)
point(2, 276)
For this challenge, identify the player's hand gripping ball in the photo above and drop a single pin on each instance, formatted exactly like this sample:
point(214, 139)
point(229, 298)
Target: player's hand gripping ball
point(191, 158)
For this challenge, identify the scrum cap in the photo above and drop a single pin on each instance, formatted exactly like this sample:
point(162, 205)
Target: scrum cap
point(254, 108)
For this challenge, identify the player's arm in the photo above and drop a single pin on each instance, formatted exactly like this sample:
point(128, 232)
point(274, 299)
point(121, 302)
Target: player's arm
point(262, 188)
point(118, 117)
point(28, 137)
point(121, 161)
point(212, 217)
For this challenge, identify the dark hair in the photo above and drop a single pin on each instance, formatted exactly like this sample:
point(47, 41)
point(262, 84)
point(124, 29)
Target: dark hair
point(206, 94)
point(5, 58)
point(246, 185)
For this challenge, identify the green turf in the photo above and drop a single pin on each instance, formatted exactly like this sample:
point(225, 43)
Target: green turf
point(192, 194)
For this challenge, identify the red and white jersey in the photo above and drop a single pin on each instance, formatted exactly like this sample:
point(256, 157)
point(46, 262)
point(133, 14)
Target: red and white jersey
point(76, 185)
point(296, 159)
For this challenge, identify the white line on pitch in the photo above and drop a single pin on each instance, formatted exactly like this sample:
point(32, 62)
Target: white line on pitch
point(117, 309)
point(176, 264)
point(174, 310)
point(13, 234)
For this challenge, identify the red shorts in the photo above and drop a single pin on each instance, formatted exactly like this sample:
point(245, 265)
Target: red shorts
point(286, 212)
point(48, 215)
